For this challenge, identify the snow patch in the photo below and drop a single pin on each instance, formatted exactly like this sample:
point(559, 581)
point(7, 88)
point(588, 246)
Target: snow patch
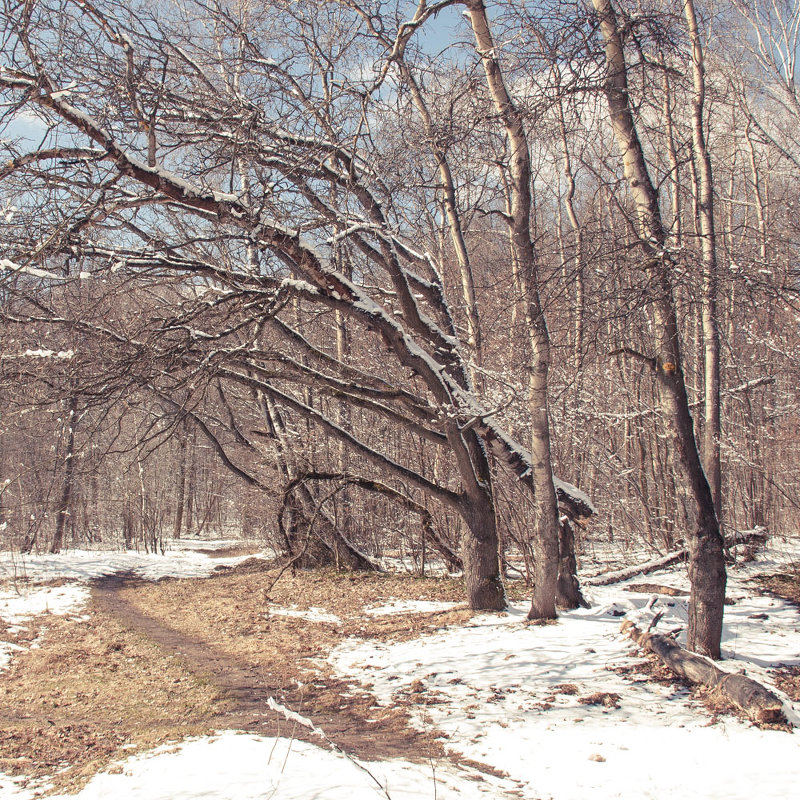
point(17, 607)
point(84, 565)
point(236, 766)
point(43, 353)
point(408, 607)
point(509, 694)
point(313, 614)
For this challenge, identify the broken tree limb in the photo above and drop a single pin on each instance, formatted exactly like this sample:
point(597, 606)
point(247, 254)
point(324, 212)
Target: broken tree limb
point(452, 559)
point(756, 701)
point(757, 535)
point(754, 536)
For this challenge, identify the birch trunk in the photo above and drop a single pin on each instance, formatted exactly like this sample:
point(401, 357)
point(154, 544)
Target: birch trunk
point(708, 240)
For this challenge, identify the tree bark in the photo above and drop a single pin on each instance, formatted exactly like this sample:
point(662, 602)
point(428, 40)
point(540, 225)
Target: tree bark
point(450, 203)
point(760, 704)
point(708, 240)
point(545, 526)
point(568, 590)
point(479, 554)
point(62, 512)
point(180, 486)
point(706, 565)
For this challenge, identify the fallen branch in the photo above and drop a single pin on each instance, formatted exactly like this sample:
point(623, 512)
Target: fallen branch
point(757, 702)
point(618, 575)
point(640, 569)
point(756, 535)
point(293, 716)
point(453, 560)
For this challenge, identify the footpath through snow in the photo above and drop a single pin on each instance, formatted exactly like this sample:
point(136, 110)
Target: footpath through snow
point(566, 710)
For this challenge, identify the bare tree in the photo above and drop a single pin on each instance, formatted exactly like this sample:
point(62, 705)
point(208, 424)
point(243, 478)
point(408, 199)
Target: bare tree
point(297, 124)
point(707, 566)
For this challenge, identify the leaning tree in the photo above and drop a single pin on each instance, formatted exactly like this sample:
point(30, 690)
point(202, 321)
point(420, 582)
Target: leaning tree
point(265, 158)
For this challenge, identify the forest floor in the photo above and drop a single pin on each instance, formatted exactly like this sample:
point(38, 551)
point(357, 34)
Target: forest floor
point(390, 677)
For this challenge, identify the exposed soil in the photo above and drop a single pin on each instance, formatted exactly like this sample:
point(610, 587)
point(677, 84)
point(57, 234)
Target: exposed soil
point(156, 662)
point(785, 585)
point(782, 584)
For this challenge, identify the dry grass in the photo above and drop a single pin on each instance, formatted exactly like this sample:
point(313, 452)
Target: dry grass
point(787, 679)
point(87, 692)
point(157, 662)
point(784, 584)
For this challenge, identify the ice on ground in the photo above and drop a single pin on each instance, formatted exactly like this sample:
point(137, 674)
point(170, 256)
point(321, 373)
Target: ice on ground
point(236, 766)
point(408, 607)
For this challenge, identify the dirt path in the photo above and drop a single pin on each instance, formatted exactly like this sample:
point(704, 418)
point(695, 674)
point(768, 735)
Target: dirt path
point(349, 720)
point(156, 662)
point(247, 689)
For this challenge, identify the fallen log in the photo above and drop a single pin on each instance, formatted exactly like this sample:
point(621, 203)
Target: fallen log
point(757, 535)
point(756, 701)
point(655, 588)
point(618, 575)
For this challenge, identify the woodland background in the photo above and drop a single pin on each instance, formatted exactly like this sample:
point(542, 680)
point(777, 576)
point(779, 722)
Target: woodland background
point(118, 421)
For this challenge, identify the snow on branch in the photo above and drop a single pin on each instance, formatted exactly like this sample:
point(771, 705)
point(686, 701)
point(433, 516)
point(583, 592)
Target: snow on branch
point(41, 352)
point(25, 269)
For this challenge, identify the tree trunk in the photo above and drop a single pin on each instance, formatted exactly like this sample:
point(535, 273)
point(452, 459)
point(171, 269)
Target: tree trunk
point(62, 512)
point(568, 590)
point(479, 553)
point(450, 203)
point(180, 486)
point(705, 195)
point(707, 565)
point(545, 531)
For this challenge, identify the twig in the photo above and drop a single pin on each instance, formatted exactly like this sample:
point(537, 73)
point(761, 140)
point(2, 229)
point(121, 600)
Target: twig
point(293, 716)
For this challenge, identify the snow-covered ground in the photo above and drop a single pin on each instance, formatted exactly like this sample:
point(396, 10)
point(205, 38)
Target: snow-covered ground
point(502, 692)
point(237, 766)
point(313, 614)
point(182, 561)
point(408, 607)
point(509, 694)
